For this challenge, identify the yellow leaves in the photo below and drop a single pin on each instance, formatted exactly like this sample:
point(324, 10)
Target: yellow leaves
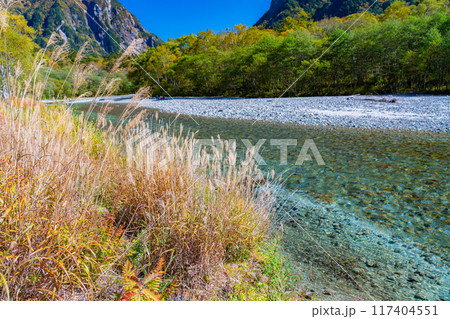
point(4, 283)
point(148, 289)
point(151, 295)
point(21, 25)
point(102, 62)
point(8, 210)
point(153, 281)
point(287, 32)
point(397, 10)
point(128, 271)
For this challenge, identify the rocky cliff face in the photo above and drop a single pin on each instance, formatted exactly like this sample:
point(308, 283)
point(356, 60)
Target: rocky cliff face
point(106, 22)
point(319, 9)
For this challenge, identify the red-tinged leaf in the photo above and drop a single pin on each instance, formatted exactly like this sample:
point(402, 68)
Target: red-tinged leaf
point(128, 296)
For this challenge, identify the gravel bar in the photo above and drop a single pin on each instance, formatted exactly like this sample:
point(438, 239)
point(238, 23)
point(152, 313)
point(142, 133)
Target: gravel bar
point(408, 112)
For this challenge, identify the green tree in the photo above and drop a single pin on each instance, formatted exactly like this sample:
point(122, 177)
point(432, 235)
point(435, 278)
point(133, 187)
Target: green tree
point(16, 50)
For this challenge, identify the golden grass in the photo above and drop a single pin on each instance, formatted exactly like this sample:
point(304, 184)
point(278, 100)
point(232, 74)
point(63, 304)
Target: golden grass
point(74, 206)
point(196, 212)
point(53, 236)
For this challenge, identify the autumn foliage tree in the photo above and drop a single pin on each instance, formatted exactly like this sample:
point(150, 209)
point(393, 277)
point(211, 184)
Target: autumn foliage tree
point(405, 49)
point(16, 49)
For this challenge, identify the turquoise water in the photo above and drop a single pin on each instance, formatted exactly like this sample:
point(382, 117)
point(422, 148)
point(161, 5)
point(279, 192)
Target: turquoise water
point(398, 180)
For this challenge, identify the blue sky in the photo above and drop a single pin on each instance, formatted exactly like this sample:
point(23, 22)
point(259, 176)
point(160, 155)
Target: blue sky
point(175, 18)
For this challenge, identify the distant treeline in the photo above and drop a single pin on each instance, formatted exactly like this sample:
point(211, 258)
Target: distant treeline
point(405, 49)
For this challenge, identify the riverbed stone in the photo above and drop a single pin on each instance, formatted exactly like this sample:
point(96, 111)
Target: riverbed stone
point(423, 295)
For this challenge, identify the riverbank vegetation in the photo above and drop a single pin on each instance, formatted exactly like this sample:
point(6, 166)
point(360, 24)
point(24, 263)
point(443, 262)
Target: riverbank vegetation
point(85, 216)
point(62, 79)
point(406, 49)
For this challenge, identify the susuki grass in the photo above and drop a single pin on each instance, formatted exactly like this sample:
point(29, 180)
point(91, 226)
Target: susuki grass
point(77, 204)
point(54, 238)
point(74, 205)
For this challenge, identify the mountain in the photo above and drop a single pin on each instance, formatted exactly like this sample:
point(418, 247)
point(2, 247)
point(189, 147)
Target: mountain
point(319, 9)
point(107, 22)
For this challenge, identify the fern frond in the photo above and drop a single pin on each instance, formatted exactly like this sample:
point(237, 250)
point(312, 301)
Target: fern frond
point(151, 295)
point(128, 270)
point(170, 289)
point(159, 266)
point(128, 296)
point(152, 278)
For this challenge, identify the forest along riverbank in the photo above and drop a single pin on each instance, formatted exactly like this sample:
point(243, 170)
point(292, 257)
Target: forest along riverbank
point(408, 112)
point(379, 207)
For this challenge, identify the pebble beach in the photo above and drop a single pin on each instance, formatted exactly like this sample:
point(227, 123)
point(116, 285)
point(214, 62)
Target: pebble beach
point(407, 112)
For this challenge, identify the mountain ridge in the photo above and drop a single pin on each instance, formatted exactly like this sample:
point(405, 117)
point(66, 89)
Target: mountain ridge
point(318, 9)
point(107, 22)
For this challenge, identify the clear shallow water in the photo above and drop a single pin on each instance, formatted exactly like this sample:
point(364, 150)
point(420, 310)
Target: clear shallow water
point(395, 180)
